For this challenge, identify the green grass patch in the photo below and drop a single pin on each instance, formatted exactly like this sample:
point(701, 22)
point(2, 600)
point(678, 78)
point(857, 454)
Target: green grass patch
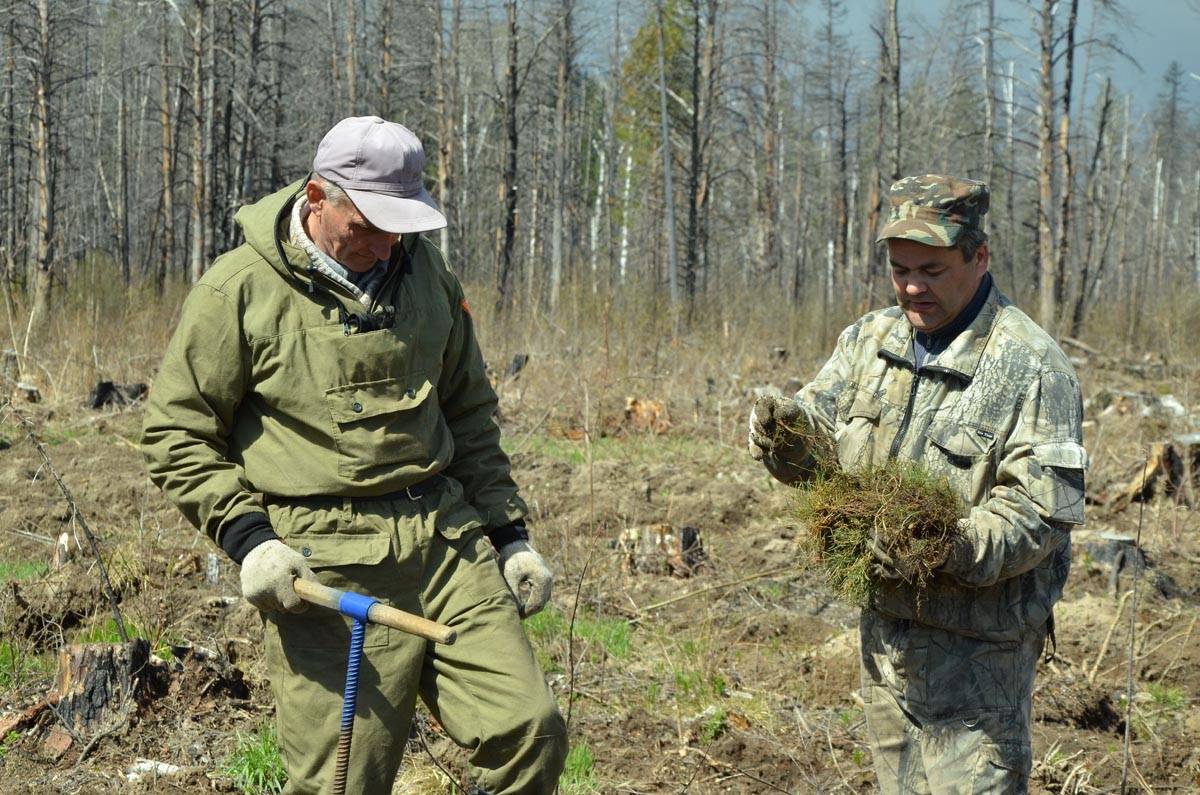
point(714, 726)
point(17, 570)
point(612, 635)
point(105, 631)
point(18, 666)
point(255, 765)
point(1167, 697)
point(579, 775)
point(8, 743)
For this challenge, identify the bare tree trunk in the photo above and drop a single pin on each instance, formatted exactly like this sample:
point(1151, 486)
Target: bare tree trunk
point(446, 87)
point(1092, 203)
point(1066, 178)
point(122, 216)
point(335, 69)
point(1048, 277)
point(199, 195)
point(1010, 221)
point(987, 42)
point(767, 189)
point(45, 180)
point(692, 244)
point(10, 210)
point(1196, 229)
point(668, 186)
point(508, 188)
point(562, 106)
point(167, 202)
point(280, 42)
point(897, 123)
point(351, 55)
point(211, 189)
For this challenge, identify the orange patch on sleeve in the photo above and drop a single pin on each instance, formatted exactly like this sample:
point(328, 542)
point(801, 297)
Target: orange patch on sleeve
point(466, 307)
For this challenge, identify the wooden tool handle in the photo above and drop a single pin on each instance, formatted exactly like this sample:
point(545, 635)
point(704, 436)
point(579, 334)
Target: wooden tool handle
point(379, 613)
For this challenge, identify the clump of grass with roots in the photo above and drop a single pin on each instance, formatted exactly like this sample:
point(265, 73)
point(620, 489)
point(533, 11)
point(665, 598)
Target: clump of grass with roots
point(913, 515)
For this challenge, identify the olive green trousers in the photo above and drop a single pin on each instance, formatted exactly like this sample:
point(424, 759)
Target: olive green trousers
point(426, 556)
point(946, 713)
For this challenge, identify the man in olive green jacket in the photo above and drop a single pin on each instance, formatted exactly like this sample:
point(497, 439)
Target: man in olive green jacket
point(959, 380)
point(323, 412)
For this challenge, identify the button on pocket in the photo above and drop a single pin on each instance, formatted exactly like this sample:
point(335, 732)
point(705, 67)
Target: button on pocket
point(380, 425)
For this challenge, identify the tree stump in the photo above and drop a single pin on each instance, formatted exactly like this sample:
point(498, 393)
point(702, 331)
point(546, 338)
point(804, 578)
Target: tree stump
point(96, 682)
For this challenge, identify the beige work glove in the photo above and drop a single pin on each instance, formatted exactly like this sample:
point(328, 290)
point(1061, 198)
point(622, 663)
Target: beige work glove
point(527, 576)
point(267, 574)
point(776, 428)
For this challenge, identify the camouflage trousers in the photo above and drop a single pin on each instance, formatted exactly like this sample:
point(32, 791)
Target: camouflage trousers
point(946, 713)
point(426, 556)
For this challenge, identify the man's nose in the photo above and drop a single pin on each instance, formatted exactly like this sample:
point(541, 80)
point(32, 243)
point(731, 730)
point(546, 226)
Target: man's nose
point(381, 246)
point(914, 287)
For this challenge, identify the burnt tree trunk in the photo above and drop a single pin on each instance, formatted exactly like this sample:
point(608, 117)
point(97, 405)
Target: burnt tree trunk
point(96, 682)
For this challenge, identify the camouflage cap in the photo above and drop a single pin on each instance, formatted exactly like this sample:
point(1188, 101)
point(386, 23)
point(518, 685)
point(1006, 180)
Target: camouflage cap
point(934, 209)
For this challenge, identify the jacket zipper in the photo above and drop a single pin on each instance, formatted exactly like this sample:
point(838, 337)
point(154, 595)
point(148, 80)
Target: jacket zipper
point(907, 419)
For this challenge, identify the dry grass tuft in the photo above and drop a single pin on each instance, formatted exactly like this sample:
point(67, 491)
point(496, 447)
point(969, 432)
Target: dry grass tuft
point(913, 514)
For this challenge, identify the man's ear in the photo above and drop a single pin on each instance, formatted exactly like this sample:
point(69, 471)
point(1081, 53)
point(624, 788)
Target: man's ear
point(982, 257)
point(315, 194)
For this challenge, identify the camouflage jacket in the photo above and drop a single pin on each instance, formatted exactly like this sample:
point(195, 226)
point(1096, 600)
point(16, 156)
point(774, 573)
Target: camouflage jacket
point(999, 414)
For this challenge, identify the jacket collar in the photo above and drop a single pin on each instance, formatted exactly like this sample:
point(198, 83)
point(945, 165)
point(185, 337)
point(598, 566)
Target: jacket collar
point(962, 356)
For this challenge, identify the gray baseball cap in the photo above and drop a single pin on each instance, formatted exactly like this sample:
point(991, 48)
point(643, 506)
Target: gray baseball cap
point(380, 165)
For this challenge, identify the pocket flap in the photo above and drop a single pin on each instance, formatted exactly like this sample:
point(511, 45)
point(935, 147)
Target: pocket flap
point(369, 399)
point(1063, 455)
point(962, 441)
point(866, 405)
point(341, 549)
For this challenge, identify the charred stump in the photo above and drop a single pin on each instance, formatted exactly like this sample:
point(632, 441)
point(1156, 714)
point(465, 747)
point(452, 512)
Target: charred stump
point(99, 684)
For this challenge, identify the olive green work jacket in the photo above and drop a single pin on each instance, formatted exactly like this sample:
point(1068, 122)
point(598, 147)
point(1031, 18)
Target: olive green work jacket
point(999, 414)
point(265, 390)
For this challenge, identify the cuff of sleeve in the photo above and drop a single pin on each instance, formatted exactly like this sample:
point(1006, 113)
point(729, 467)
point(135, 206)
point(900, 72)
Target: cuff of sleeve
point(502, 536)
point(961, 556)
point(244, 534)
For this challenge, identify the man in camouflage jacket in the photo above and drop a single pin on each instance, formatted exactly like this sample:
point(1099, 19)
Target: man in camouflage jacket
point(962, 382)
point(323, 412)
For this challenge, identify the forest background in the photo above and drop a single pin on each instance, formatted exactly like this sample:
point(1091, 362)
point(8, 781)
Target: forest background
point(686, 151)
point(659, 208)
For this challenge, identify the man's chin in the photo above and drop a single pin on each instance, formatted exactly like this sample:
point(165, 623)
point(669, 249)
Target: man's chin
point(924, 321)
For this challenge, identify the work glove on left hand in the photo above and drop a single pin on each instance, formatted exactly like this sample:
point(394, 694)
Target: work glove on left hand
point(527, 576)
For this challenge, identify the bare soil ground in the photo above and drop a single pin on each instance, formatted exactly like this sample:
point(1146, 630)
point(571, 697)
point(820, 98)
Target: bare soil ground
point(739, 679)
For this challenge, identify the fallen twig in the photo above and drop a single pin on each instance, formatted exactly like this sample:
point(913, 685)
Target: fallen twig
point(760, 575)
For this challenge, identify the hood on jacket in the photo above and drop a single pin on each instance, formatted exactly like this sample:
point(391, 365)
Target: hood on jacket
point(260, 223)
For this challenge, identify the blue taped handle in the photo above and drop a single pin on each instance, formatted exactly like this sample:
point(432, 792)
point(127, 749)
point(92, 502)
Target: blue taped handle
point(356, 605)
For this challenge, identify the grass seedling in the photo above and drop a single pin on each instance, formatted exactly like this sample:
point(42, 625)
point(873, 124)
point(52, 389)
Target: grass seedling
point(578, 776)
point(912, 515)
point(254, 765)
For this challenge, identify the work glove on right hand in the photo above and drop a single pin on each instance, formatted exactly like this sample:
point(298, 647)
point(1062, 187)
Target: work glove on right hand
point(527, 576)
point(267, 575)
point(777, 429)
point(889, 567)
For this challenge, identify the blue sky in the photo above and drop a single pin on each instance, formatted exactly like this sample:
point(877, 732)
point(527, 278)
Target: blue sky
point(1154, 33)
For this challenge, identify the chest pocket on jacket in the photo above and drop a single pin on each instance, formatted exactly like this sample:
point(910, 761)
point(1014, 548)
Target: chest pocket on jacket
point(965, 458)
point(384, 423)
point(858, 423)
